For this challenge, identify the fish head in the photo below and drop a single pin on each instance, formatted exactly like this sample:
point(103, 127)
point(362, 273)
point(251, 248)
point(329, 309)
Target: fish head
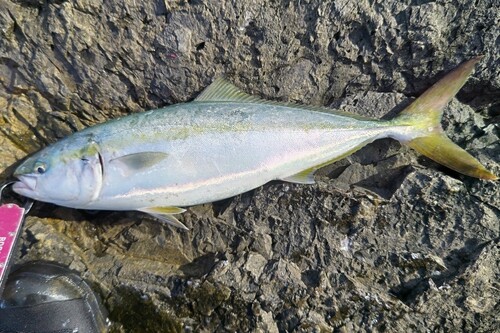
point(67, 173)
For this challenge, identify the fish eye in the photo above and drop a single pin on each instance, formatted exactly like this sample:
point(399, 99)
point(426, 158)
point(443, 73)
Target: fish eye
point(40, 168)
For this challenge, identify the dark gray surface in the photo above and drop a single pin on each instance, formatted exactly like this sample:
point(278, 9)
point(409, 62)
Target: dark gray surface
point(386, 241)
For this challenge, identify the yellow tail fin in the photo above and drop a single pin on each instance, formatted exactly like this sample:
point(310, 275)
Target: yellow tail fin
point(425, 114)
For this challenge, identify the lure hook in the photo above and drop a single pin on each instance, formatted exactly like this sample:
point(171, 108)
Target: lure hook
point(28, 202)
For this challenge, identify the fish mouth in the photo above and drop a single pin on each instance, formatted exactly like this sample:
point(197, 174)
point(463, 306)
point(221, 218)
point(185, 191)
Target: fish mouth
point(25, 186)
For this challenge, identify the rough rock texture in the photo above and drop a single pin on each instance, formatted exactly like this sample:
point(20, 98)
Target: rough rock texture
point(386, 240)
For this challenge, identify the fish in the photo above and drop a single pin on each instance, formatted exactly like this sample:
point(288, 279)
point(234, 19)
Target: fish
point(224, 143)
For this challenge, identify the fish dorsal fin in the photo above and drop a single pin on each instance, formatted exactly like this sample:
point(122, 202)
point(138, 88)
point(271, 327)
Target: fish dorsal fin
point(303, 177)
point(139, 161)
point(165, 214)
point(222, 90)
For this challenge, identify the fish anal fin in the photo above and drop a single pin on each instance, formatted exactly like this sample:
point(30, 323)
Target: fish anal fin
point(139, 161)
point(307, 176)
point(303, 177)
point(165, 214)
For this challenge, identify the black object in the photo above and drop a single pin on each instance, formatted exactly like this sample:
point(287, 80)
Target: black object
point(42, 297)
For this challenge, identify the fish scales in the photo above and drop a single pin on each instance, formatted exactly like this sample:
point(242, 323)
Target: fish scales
point(238, 150)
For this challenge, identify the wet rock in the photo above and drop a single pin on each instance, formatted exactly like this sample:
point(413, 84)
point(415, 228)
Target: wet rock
point(385, 241)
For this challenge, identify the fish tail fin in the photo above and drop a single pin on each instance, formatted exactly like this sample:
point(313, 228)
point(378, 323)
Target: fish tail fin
point(429, 139)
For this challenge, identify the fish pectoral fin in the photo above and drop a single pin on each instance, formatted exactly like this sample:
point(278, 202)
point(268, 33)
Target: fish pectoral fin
point(303, 177)
point(165, 214)
point(139, 161)
point(223, 91)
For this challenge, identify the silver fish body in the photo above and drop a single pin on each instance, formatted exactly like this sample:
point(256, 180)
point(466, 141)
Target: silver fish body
point(209, 151)
point(214, 151)
point(224, 143)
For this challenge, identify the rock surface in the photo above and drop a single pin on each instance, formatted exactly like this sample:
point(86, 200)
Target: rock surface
point(385, 241)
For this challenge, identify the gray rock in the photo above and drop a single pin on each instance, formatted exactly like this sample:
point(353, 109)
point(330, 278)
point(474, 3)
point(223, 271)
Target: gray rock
point(385, 241)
